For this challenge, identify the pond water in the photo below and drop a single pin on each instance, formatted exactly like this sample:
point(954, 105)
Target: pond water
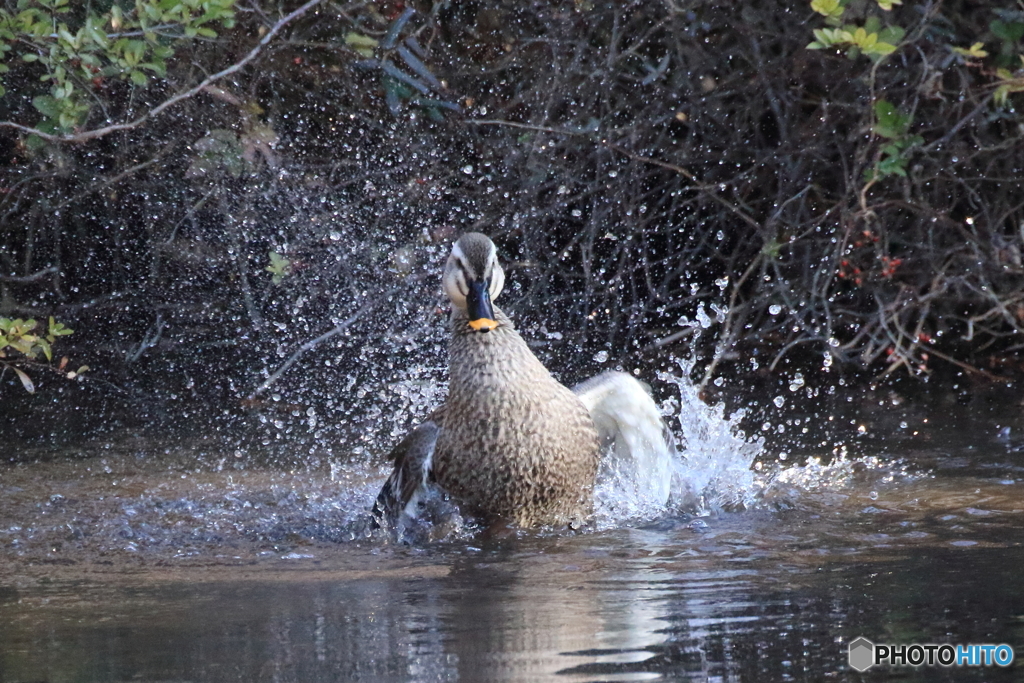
point(131, 560)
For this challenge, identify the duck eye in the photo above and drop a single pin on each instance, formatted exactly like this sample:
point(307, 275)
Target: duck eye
point(460, 281)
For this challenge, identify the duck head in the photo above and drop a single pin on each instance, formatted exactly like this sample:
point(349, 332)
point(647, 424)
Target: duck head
point(473, 279)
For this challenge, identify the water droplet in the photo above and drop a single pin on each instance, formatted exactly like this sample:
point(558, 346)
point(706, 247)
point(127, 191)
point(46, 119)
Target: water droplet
point(601, 357)
point(779, 401)
point(775, 309)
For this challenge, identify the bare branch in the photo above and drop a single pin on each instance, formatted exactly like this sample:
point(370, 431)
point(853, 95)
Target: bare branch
point(25, 279)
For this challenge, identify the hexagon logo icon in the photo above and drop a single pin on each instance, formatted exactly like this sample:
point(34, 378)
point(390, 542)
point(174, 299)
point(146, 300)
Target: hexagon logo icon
point(862, 654)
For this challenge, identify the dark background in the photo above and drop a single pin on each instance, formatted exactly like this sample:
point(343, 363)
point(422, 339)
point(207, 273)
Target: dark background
point(643, 167)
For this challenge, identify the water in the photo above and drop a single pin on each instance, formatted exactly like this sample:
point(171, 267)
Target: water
point(135, 560)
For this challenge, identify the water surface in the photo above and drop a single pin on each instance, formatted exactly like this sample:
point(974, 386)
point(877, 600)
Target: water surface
point(138, 561)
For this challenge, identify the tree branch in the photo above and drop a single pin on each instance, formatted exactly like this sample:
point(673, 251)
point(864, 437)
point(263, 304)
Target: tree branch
point(313, 343)
point(24, 279)
point(166, 104)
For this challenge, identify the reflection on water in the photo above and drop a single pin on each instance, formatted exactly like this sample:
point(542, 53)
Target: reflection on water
point(755, 597)
point(122, 566)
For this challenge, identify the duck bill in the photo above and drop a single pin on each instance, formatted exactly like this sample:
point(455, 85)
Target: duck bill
point(478, 305)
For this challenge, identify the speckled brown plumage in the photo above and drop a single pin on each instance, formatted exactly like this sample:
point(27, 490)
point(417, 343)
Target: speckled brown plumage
point(514, 443)
point(510, 444)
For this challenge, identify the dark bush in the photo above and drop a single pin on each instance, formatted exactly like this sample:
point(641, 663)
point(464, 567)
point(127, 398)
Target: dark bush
point(641, 165)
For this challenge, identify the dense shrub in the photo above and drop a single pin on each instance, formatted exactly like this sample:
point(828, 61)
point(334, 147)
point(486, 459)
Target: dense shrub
point(639, 163)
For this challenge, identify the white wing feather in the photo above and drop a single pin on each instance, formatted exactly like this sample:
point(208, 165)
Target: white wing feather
point(638, 451)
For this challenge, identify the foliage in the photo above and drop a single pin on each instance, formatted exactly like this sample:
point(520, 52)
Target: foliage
point(20, 337)
point(871, 39)
point(77, 49)
point(279, 267)
point(894, 125)
point(420, 87)
point(852, 205)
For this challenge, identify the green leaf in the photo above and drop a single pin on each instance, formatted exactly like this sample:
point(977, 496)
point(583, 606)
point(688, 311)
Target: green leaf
point(45, 346)
point(47, 106)
point(158, 68)
point(34, 142)
point(890, 122)
point(1000, 96)
point(831, 9)
point(975, 51)
point(891, 34)
point(824, 36)
point(893, 166)
point(139, 78)
point(57, 329)
point(279, 267)
point(892, 149)
point(364, 45)
point(863, 39)
point(1010, 32)
point(65, 35)
point(97, 36)
point(879, 48)
point(23, 345)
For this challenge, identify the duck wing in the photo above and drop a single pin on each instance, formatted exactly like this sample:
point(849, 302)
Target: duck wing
point(638, 450)
point(413, 458)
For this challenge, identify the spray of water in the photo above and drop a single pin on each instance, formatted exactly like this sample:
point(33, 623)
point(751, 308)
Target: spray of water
point(717, 467)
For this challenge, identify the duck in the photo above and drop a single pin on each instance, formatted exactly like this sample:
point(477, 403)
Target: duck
point(511, 445)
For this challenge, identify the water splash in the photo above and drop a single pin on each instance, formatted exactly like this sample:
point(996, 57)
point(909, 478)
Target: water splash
point(820, 483)
point(719, 468)
point(711, 472)
point(716, 472)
